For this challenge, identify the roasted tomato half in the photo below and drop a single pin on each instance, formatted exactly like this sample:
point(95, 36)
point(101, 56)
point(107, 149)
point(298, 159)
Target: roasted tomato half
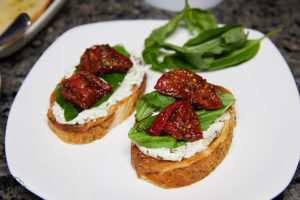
point(83, 89)
point(188, 86)
point(178, 120)
point(102, 59)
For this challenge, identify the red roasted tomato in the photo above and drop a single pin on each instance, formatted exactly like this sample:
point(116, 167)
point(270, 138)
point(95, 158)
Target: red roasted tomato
point(178, 120)
point(83, 89)
point(102, 59)
point(186, 85)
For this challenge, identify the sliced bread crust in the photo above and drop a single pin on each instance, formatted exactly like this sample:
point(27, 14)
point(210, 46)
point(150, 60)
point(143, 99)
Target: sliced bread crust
point(174, 174)
point(88, 132)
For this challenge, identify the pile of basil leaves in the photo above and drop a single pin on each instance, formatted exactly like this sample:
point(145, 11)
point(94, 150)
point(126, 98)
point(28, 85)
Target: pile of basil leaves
point(213, 48)
point(114, 79)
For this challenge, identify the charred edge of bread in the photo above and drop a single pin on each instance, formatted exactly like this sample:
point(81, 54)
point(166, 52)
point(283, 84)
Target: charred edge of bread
point(174, 174)
point(88, 132)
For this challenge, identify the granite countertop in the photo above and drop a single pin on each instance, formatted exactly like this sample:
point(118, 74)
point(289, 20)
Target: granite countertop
point(262, 15)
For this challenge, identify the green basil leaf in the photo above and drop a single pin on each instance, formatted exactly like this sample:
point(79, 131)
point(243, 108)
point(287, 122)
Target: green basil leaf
point(234, 38)
point(144, 108)
point(159, 100)
point(162, 32)
point(151, 102)
point(246, 52)
point(209, 34)
point(207, 117)
point(151, 52)
point(210, 47)
point(121, 49)
point(189, 61)
point(140, 136)
point(231, 39)
point(59, 97)
point(113, 79)
point(197, 19)
point(172, 61)
point(151, 55)
point(70, 112)
point(214, 48)
point(196, 60)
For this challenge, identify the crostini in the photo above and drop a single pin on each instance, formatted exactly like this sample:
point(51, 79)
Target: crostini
point(96, 95)
point(183, 129)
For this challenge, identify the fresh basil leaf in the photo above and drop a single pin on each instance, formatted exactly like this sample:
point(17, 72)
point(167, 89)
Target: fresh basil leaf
point(151, 55)
point(151, 52)
point(234, 34)
point(199, 62)
point(159, 100)
point(172, 61)
point(214, 48)
point(69, 111)
point(227, 99)
point(189, 61)
point(234, 38)
point(246, 52)
point(162, 32)
point(210, 47)
point(207, 117)
point(139, 135)
point(121, 49)
point(76, 70)
point(231, 39)
point(144, 108)
point(209, 34)
point(151, 102)
point(113, 79)
point(198, 20)
point(59, 97)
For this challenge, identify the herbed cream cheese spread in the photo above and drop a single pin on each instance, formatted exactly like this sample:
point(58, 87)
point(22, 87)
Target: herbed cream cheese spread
point(189, 149)
point(134, 76)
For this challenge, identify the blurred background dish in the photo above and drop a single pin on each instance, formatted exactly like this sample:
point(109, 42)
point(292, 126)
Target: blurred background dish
point(18, 26)
point(178, 5)
point(259, 15)
point(40, 13)
point(10, 9)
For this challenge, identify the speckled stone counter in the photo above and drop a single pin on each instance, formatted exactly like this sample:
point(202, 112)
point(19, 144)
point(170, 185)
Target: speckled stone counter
point(262, 15)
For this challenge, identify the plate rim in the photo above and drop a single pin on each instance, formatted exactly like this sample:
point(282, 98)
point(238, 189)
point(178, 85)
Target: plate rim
point(95, 23)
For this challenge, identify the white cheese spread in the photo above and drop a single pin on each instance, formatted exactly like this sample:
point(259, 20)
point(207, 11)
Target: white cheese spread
point(134, 76)
point(189, 149)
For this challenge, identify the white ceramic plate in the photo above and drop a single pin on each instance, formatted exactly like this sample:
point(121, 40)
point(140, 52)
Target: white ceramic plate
point(260, 164)
point(32, 30)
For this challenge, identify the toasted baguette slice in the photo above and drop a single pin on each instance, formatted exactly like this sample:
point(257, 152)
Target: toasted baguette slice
point(88, 132)
point(174, 174)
